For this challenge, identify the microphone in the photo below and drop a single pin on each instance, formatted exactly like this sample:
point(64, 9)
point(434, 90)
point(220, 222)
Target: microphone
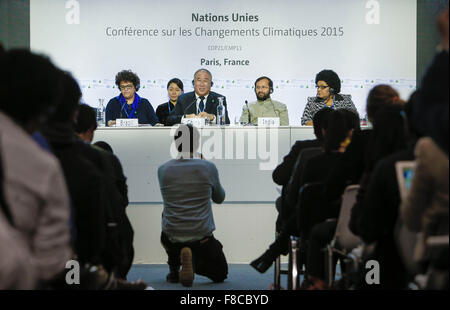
point(184, 111)
point(248, 109)
point(120, 114)
point(273, 107)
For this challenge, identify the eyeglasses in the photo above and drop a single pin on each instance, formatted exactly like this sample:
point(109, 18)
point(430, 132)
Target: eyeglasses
point(262, 87)
point(126, 87)
point(322, 87)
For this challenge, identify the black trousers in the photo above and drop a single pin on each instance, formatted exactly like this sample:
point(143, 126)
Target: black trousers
point(208, 258)
point(321, 235)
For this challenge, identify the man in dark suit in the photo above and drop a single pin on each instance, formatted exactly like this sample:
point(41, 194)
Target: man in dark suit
point(202, 102)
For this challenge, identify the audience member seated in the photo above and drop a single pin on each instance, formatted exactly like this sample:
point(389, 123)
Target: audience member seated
point(187, 219)
point(16, 268)
point(375, 212)
point(328, 86)
point(426, 207)
point(174, 89)
point(85, 126)
point(104, 145)
point(337, 129)
point(33, 183)
point(283, 173)
point(352, 164)
point(93, 192)
point(129, 104)
point(430, 111)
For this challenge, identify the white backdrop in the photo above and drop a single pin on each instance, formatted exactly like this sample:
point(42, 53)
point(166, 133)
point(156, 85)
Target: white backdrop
point(365, 42)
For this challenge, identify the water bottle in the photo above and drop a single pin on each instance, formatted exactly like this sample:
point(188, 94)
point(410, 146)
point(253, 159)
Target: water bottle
point(101, 113)
point(220, 112)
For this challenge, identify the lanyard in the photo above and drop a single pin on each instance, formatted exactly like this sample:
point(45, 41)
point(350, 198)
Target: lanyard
point(332, 106)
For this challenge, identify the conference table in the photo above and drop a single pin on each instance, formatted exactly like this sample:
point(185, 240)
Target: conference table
point(245, 157)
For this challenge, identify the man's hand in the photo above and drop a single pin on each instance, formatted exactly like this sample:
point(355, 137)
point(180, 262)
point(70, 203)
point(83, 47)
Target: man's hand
point(111, 123)
point(190, 116)
point(206, 115)
point(309, 123)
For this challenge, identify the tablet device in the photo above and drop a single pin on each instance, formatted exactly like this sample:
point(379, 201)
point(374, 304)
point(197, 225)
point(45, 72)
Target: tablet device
point(405, 173)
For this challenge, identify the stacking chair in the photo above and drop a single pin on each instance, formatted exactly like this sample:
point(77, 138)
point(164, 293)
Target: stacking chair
point(298, 169)
point(344, 240)
point(309, 196)
point(421, 278)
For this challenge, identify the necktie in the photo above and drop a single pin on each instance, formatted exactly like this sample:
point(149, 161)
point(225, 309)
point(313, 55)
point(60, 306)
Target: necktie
point(201, 105)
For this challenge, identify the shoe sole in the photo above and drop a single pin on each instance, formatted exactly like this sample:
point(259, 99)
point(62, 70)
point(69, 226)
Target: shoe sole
point(187, 272)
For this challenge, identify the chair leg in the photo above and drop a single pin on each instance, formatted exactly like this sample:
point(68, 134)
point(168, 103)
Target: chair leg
point(329, 265)
point(293, 276)
point(277, 274)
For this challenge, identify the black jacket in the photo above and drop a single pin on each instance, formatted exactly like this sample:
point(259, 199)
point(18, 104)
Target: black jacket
point(283, 172)
point(145, 112)
point(162, 111)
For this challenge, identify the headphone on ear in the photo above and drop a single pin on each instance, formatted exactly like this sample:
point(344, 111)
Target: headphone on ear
point(205, 70)
point(331, 91)
point(268, 79)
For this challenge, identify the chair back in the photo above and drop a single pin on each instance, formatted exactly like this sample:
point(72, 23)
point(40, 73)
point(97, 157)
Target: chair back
point(293, 185)
point(344, 238)
point(310, 207)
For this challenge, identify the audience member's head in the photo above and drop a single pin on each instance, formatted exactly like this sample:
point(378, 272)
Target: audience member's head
point(338, 128)
point(379, 97)
point(187, 139)
point(105, 146)
point(30, 88)
point(389, 134)
point(86, 122)
point(2, 50)
point(319, 119)
point(352, 120)
point(66, 110)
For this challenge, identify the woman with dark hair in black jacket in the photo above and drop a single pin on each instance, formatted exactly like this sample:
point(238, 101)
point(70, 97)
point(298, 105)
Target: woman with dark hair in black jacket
point(338, 129)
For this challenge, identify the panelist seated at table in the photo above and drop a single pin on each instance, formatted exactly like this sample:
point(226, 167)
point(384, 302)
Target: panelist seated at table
point(129, 104)
point(201, 103)
point(328, 85)
point(264, 106)
point(175, 88)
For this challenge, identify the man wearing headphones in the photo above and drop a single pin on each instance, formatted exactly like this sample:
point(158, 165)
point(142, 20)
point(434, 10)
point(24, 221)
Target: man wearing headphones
point(202, 102)
point(264, 106)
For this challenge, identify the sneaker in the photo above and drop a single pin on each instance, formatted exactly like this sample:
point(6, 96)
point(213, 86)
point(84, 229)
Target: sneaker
point(187, 272)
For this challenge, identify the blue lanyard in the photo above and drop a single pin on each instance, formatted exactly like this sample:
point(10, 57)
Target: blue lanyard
point(332, 106)
point(168, 106)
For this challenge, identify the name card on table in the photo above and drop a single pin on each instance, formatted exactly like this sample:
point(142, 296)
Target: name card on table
point(269, 121)
point(196, 122)
point(127, 122)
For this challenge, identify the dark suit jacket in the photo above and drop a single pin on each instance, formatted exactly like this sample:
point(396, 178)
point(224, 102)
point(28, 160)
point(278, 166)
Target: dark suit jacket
point(186, 105)
point(162, 111)
point(283, 172)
